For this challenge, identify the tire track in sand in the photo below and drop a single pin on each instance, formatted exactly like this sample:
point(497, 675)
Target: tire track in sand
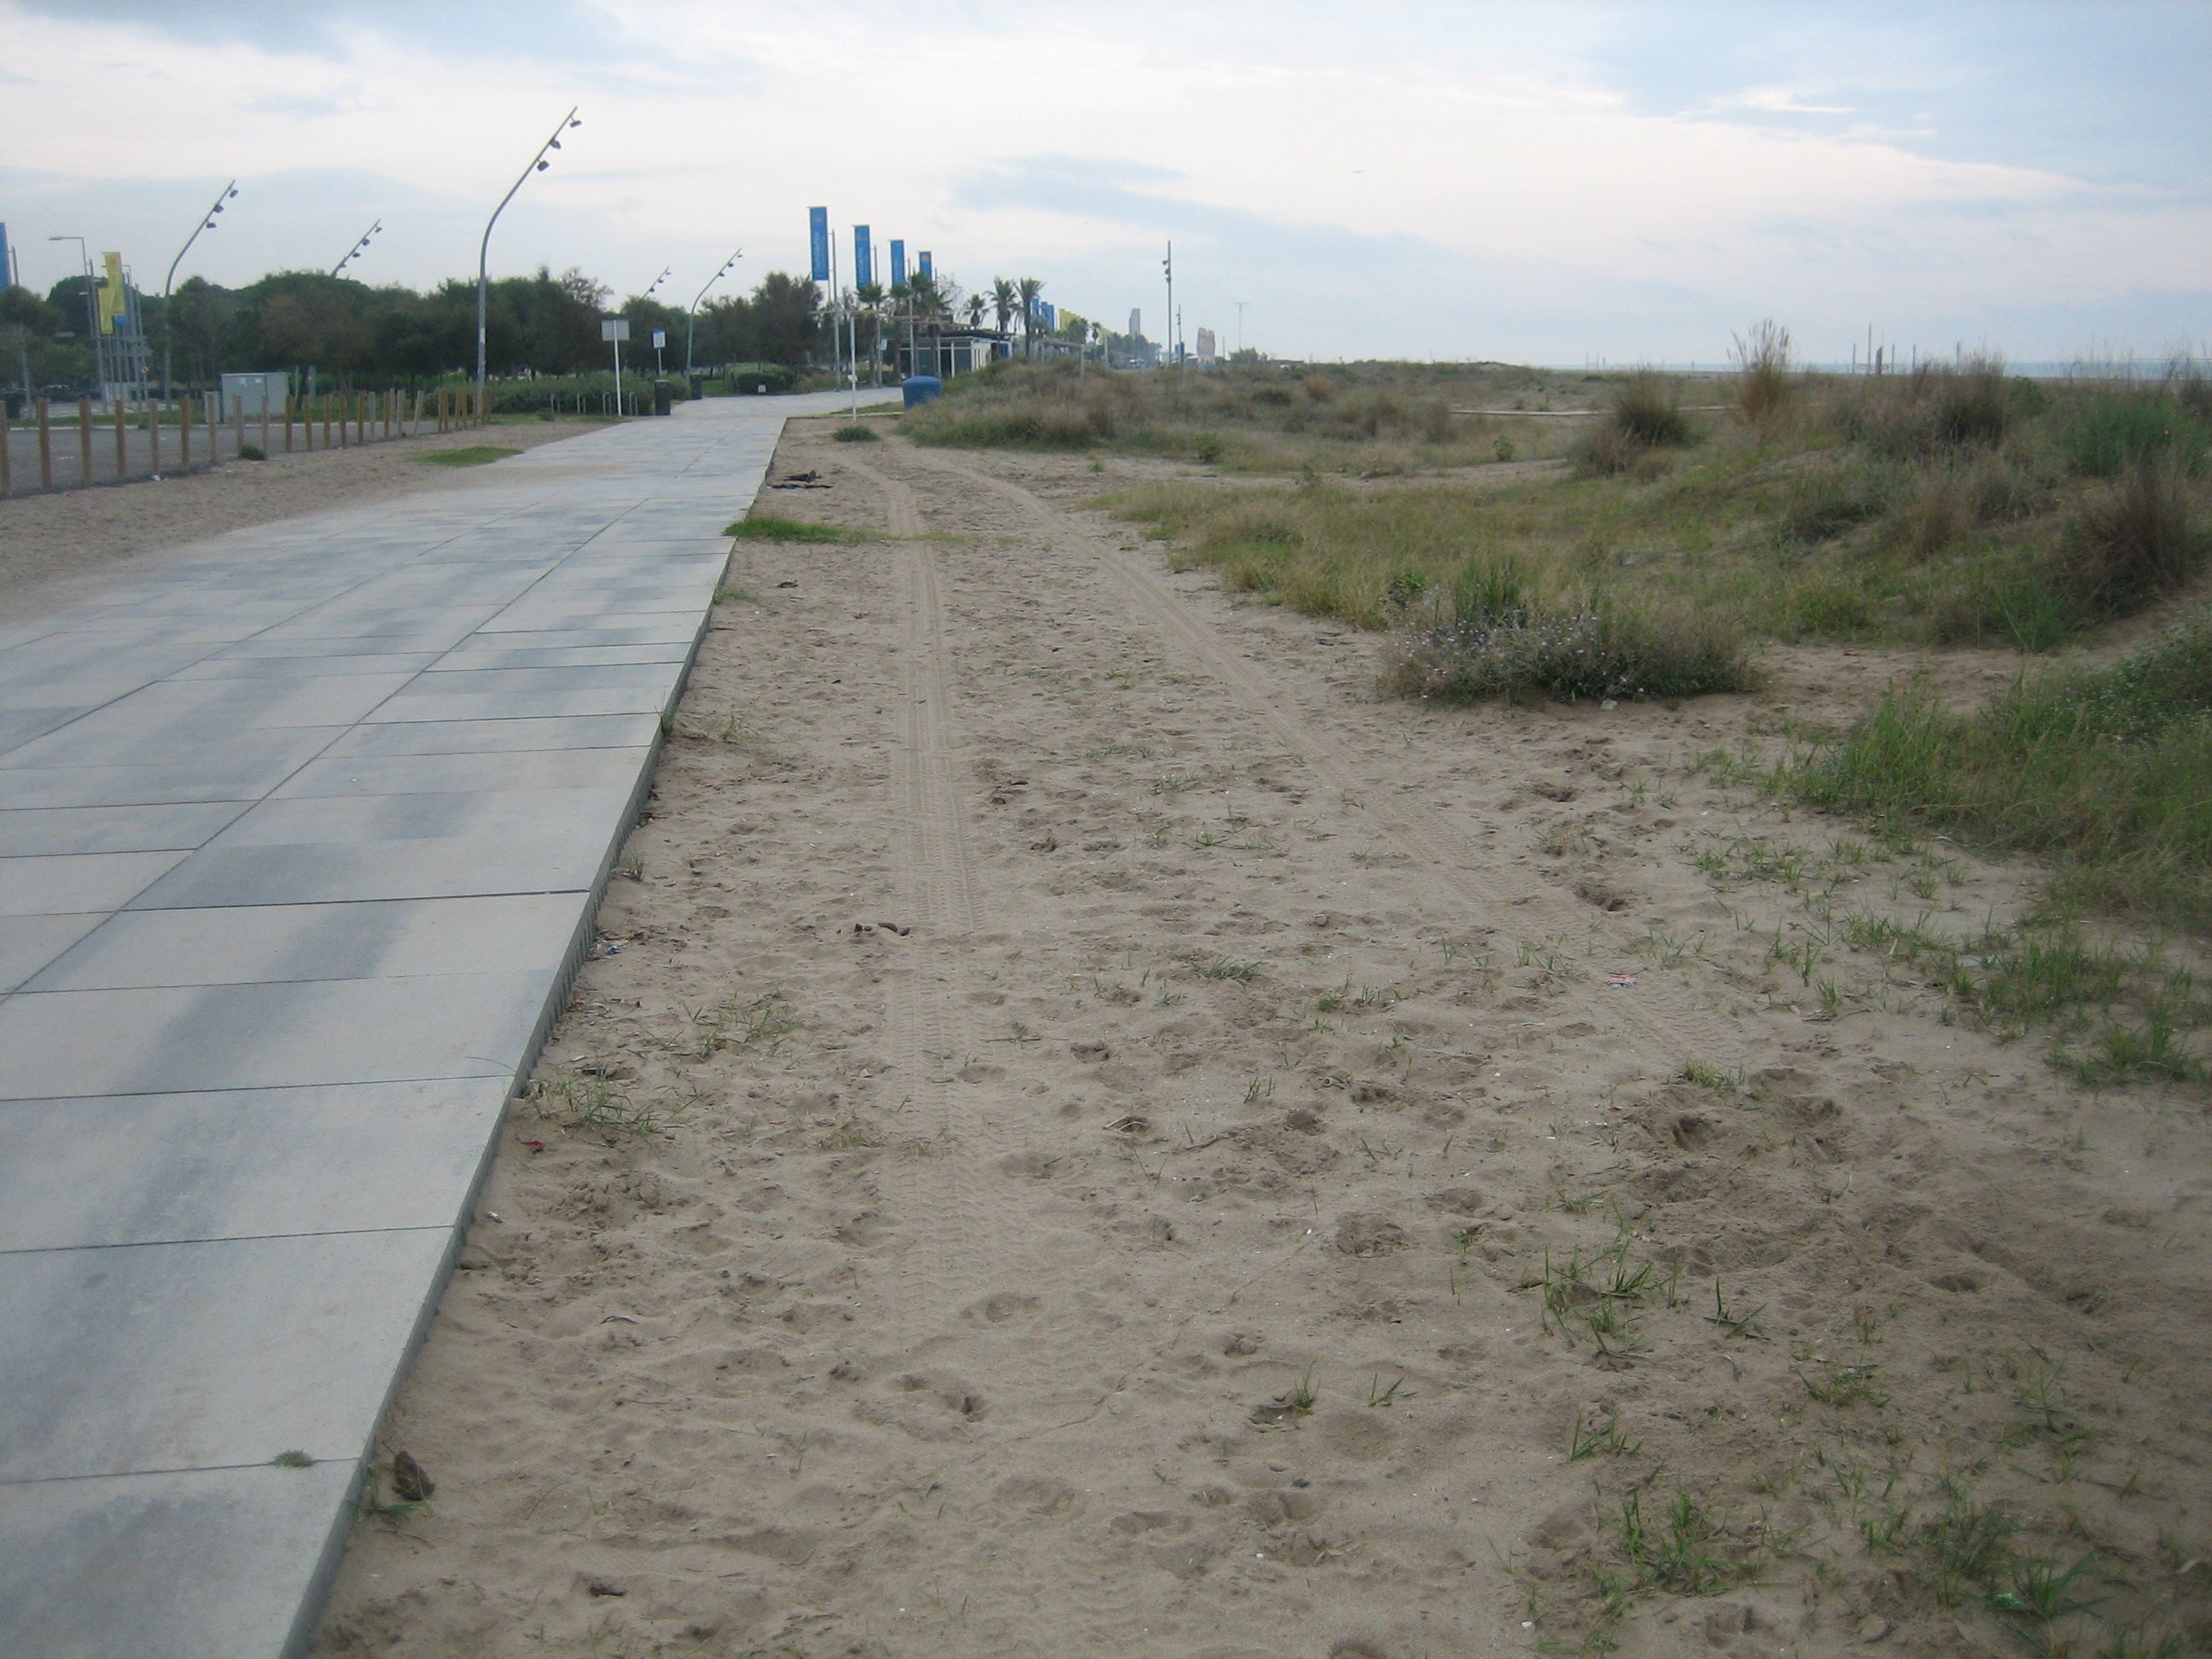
point(931, 1186)
point(1667, 1023)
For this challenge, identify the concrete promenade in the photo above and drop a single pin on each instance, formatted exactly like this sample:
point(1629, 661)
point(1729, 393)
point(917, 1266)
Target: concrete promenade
point(300, 836)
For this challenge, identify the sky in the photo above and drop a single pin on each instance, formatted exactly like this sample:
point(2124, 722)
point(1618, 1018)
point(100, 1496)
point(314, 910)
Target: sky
point(1541, 182)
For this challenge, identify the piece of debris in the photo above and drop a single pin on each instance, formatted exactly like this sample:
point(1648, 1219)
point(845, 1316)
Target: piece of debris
point(410, 1482)
point(1621, 981)
point(601, 1586)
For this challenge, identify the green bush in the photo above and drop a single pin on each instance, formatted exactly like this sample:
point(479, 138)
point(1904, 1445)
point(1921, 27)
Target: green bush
point(252, 452)
point(1497, 640)
point(856, 433)
point(2108, 432)
point(1646, 411)
point(2135, 541)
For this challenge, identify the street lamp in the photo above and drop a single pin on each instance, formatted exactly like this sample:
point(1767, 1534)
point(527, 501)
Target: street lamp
point(91, 308)
point(358, 248)
point(168, 330)
point(691, 310)
point(1168, 265)
point(537, 164)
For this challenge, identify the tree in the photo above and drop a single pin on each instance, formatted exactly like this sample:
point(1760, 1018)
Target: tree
point(1003, 301)
point(976, 305)
point(871, 295)
point(787, 320)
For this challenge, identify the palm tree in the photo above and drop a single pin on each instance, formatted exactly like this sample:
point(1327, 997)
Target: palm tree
point(976, 305)
point(871, 295)
point(1003, 301)
point(1031, 289)
point(930, 309)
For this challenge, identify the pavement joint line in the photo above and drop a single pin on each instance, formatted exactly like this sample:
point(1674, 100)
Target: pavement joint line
point(188, 1240)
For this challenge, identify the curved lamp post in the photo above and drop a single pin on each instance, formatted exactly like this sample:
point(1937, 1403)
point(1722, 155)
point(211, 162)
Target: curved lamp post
point(358, 248)
point(691, 310)
point(168, 326)
point(537, 164)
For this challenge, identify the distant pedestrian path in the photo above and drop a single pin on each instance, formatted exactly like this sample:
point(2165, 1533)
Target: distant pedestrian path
point(299, 838)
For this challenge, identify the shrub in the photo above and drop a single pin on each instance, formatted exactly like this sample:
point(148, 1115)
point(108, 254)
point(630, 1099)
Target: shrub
point(1318, 389)
point(2108, 432)
point(1763, 385)
point(1607, 449)
point(1587, 647)
point(252, 452)
point(2134, 542)
point(1645, 410)
point(1970, 402)
point(1207, 448)
point(1819, 506)
point(856, 433)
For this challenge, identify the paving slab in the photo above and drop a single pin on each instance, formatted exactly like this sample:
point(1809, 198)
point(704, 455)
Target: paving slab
point(225, 1163)
point(201, 1564)
point(302, 830)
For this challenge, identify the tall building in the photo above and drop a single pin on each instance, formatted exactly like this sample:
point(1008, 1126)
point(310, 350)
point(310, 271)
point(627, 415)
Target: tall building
point(1206, 348)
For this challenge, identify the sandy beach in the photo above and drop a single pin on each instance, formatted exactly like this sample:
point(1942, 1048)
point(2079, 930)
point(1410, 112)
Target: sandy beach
point(1087, 1131)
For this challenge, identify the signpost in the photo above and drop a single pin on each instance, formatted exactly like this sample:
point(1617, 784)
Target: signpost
point(659, 339)
point(615, 331)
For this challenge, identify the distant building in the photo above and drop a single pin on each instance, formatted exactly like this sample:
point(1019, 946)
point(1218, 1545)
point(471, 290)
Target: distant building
point(1136, 322)
point(1206, 348)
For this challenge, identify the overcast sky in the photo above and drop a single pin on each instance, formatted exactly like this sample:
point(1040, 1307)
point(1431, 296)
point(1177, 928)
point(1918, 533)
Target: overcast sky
point(1535, 182)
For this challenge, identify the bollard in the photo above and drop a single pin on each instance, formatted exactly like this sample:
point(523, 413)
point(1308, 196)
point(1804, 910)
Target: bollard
point(154, 435)
point(122, 455)
point(342, 399)
point(45, 449)
point(360, 401)
point(84, 439)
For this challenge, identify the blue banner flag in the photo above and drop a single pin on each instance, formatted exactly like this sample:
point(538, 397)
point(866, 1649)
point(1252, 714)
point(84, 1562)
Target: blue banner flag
point(925, 263)
point(898, 260)
point(864, 257)
point(817, 236)
point(6, 270)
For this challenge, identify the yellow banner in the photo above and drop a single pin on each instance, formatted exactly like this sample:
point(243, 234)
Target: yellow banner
point(110, 294)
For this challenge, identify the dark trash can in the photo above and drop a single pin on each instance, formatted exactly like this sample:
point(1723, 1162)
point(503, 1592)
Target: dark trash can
point(663, 397)
point(922, 389)
point(698, 387)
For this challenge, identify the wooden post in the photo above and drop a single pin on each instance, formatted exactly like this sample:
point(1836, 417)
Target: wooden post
point(154, 433)
point(287, 421)
point(122, 456)
point(84, 438)
point(360, 417)
point(45, 449)
point(340, 399)
point(7, 443)
point(391, 397)
point(415, 428)
point(327, 420)
point(183, 432)
point(215, 448)
point(264, 415)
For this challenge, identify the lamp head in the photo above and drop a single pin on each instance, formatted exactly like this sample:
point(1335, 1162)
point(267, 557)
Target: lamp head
point(542, 166)
point(575, 120)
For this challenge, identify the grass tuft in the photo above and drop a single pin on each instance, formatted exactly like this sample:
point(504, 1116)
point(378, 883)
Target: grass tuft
point(467, 455)
point(767, 527)
point(856, 433)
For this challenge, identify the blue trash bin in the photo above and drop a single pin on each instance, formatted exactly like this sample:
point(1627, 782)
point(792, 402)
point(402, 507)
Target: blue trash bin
point(922, 389)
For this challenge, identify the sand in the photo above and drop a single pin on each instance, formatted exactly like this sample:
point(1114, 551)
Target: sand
point(59, 550)
point(1062, 1142)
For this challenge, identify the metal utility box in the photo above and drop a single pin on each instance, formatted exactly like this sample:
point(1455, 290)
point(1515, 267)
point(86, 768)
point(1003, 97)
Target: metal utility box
point(247, 396)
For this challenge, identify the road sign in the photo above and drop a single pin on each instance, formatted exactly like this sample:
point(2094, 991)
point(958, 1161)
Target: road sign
point(659, 338)
point(817, 238)
point(614, 328)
